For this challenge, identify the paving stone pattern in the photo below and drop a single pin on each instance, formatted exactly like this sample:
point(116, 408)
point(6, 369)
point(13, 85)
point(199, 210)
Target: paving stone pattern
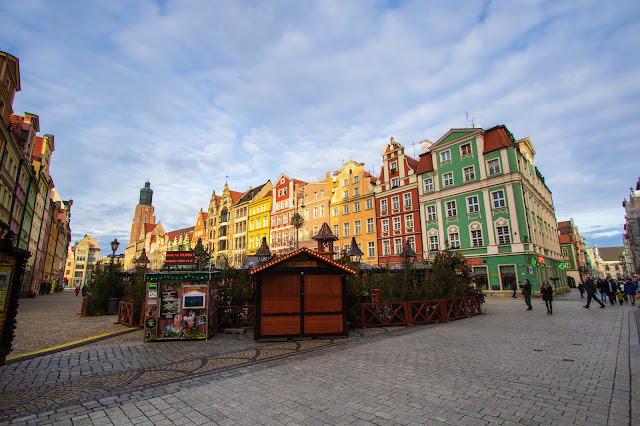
point(508, 366)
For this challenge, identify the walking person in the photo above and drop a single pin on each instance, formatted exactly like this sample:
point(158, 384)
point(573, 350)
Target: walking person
point(601, 288)
point(631, 288)
point(581, 290)
point(77, 290)
point(547, 296)
point(526, 292)
point(611, 288)
point(591, 293)
point(514, 287)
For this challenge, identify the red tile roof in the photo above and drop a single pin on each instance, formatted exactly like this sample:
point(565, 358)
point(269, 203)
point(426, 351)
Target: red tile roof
point(148, 227)
point(38, 141)
point(426, 163)
point(302, 250)
point(235, 196)
point(413, 163)
point(173, 234)
point(497, 137)
point(16, 123)
point(565, 239)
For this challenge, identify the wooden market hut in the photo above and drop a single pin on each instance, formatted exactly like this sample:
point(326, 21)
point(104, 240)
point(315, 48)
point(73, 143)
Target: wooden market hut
point(301, 294)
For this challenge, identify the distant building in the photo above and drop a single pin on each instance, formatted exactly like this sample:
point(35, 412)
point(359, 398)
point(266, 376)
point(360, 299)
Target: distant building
point(80, 262)
point(574, 252)
point(613, 262)
point(143, 221)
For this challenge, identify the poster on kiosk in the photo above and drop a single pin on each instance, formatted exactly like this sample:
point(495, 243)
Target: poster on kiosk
point(180, 305)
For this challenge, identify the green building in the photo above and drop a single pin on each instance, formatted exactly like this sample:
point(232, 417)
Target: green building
point(481, 194)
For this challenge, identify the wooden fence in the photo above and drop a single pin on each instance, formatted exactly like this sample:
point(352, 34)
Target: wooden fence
point(125, 315)
point(387, 314)
point(236, 316)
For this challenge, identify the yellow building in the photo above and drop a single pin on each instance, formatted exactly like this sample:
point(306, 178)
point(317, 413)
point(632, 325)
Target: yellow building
point(81, 259)
point(259, 220)
point(353, 212)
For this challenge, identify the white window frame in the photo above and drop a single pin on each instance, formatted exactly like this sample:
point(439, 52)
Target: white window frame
point(386, 248)
point(502, 232)
point(494, 167)
point(384, 206)
point(397, 223)
point(408, 221)
point(371, 249)
point(369, 204)
point(357, 227)
point(431, 214)
point(499, 202)
point(469, 174)
point(452, 208)
point(397, 246)
point(335, 212)
point(454, 240)
point(345, 209)
point(433, 243)
point(336, 230)
point(370, 228)
point(395, 202)
point(346, 227)
point(477, 240)
point(356, 206)
point(395, 182)
point(476, 204)
point(385, 225)
point(462, 153)
point(445, 156)
point(408, 197)
point(445, 179)
point(428, 184)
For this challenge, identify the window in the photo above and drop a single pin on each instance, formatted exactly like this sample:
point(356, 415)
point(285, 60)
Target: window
point(394, 166)
point(356, 192)
point(494, 166)
point(565, 252)
point(369, 204)
point(385, 225)
point(355, 179)
point(285, 219)
point(428, 185)
point(431, 213)
point(336, 229)
point(315, 212)
point(407, 200)
point(356, 206)
point(334, 212)
point(397, 245)
point(412, 243)
point(465, 149)
point(408, 221)
point(433, 242)
point(386, 248)
point(395, 203)
point(345, 193)
point(345, 209)
point(322, 210)
point(476, 238)
point(469, 174)
point(315, 195)
point(472, 204)
point(452, 210)
point(395, 182)
point(347, 231)
point(371, 249)
point(503, 235)
point(445, 156)
point(370, 225)
point(448, 179)
point(383, 206)
point(397, 223)
point(454, 240)
point(265, 222)
point(357, 229)
point(498, 199)
point(345, 182)
point(322, 192)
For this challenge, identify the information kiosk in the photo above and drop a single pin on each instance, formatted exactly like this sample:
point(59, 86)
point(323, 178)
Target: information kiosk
point(181, 305)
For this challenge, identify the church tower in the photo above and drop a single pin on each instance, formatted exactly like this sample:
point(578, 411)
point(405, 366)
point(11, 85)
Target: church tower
point(143, 214)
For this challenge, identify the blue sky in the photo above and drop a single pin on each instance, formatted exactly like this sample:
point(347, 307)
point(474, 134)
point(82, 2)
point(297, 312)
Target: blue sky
point(184, 93)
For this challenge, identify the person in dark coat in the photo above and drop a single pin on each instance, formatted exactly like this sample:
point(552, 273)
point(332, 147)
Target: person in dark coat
point(611, 288)
point(526, 292)
point(547, 296)
point(602, 289)
point(514, 287)
point(581, 290)
point(591, 293)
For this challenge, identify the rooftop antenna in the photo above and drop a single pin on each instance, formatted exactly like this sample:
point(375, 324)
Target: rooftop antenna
point(473, 123)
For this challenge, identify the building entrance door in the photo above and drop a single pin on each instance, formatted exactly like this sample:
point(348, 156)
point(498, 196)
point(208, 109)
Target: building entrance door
point(508, 276)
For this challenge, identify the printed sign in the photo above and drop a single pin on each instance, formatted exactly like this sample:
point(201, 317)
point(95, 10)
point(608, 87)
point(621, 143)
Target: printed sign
point(170, 304)
point(5, 276)
point(179, 258)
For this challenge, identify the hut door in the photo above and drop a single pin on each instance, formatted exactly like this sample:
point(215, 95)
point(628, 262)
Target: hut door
point(323, 304)
point(280, 305)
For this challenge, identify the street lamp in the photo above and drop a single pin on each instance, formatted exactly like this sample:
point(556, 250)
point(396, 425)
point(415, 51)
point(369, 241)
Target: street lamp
point(297, 221)
point(114, 247)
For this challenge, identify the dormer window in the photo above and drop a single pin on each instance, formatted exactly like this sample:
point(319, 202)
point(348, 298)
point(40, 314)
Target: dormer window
point(394, 166)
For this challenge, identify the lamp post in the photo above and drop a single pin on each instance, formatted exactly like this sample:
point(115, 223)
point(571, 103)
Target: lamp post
point(297, 221)
point(114, 247)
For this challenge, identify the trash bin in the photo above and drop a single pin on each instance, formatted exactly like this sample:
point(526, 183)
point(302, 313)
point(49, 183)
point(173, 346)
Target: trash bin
point(112, 306)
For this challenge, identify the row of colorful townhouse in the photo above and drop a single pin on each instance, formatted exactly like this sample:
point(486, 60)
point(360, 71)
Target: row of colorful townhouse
point(30, 205)
point(475, 191)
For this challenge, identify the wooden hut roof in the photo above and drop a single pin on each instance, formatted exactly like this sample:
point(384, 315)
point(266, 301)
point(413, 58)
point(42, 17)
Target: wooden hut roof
point(300, 251)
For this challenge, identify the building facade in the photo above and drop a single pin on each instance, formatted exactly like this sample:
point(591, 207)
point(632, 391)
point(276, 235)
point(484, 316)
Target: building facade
point(352, 210)
point(286, 194)
point(259, 219)
point(481, 194)
point(397, 207)
point(80, 262)
point(143, 218)
point(632, 229)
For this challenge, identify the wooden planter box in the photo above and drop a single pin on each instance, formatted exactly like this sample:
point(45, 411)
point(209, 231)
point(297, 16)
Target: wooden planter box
point(125, 315)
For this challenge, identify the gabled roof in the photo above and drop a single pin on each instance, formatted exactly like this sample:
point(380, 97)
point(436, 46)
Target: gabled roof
point(413, 163)
point(171, 235)
point(306, 251)
point(148, 227)
point(235, 196)
point(248, 196)
point(497, 137)
point(611, 254)
point(426, 163)
point(371, 177)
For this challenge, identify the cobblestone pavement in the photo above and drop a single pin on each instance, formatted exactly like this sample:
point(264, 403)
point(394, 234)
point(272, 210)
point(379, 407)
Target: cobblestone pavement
point(53, 319)
point(507, 366)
